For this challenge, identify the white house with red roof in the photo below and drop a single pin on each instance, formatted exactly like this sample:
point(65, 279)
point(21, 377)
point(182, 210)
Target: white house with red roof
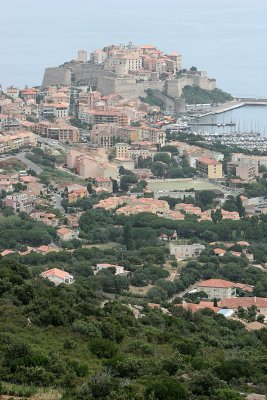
point(58, 276)
point(217, 288)
point(67, 234)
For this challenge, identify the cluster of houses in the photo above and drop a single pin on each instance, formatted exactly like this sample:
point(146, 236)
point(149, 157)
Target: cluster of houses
point(59, 276)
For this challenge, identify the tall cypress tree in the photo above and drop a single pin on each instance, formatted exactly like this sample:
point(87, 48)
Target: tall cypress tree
point(128, 236)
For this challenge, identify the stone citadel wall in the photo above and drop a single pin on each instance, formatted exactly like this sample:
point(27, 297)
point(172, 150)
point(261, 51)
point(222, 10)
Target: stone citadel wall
point(107, 82)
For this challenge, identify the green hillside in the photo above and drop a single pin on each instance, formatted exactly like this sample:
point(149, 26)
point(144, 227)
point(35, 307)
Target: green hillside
point(196, 95)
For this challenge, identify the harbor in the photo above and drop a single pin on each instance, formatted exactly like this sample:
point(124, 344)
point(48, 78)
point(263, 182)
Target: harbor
point(250, 119)
point(244, 140)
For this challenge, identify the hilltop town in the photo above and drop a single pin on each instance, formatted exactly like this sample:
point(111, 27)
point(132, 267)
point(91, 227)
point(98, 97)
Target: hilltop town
point(130, 246)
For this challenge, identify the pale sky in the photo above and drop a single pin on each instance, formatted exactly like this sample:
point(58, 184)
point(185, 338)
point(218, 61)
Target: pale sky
point(227, 38)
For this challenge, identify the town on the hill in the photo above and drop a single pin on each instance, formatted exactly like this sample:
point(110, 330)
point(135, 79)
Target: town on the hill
point(108, 196)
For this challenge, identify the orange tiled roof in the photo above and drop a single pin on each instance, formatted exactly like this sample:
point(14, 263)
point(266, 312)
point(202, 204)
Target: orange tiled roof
point(236, 302)
point(206, 160)
point(219, 283)
point(55, 272)
point(219, 251)
point(63, 231)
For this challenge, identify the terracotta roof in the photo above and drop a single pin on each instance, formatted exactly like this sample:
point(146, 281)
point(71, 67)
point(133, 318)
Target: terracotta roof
point(197, 307)
point(236, 253)
point(219, 251)
point(153, 305)
point(243, 243)
point(63, 231)
point(244, 286)
point(219, 283)
point(6, 252)
point(55, 272)
point(44, 249)
point(102, 179)
point(236, 302)
point(206, 160)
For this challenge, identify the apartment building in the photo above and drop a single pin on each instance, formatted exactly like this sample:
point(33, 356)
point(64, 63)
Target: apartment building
point(106, 135)
point(183, 251)
point(155, 135)
point(58, 110)
point(102, 117)
point(9, 123)
point(21, 202)
point(58, 131)
point(246, 169)
point(28, 94)
point(136, 150)
point(217, 288)
point(17, 141)
point(210, 168)
point(85, 165)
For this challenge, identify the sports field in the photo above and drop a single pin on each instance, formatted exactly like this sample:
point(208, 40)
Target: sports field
point(180, 184)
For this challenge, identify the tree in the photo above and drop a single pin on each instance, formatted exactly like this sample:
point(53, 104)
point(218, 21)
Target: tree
point(165, 389)
point(89, 188)
point(239, 206)
point(103, 348)
point(226, 394)
point(158, 169)
point(115, 186)
point(216, 216)
point(162, 157)
point(128, 236)
point(170, 149)
point(126, 180)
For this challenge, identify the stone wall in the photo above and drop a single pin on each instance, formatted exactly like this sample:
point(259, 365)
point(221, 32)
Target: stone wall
point(174, 87)
point(127, 87)
point(57, 76)
point(107, 82)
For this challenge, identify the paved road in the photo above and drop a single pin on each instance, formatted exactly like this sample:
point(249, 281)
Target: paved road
point(57, 203)
point(29, 163)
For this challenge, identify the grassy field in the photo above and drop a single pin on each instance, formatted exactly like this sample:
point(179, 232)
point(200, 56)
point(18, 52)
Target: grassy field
point(180, 184)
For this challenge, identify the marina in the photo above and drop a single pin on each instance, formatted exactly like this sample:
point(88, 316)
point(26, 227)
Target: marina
point(249, 119)
point(244, 140)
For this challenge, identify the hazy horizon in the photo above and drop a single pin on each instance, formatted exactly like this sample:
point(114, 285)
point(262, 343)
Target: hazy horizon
point(225, 38)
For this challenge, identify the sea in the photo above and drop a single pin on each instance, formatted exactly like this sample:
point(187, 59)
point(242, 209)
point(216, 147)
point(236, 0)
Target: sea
point(245, 119)
point(227, 38)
